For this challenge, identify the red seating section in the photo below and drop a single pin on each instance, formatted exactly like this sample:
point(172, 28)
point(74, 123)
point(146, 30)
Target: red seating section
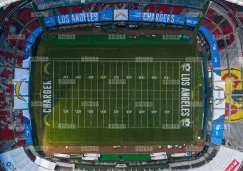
point(92, 8)
point(25, 15)
point(76, 9)
point(163, 9)
point(177, 10)
point(63, 10)
point(149, 8)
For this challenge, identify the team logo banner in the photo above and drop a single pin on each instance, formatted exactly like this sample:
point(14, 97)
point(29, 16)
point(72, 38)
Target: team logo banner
point(121, 15)
point(92, 16)
point(105, 15)
point(63, 19)
point(148, 16)
point(78, 17)
point(135, 15)
point(179, 19)
point(50, 21)
point(164, 18)
point(191, 21)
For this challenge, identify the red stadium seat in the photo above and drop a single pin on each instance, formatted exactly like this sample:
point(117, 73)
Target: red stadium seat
point(106, 6)
point(209, 25)
point(177, 10)
point(134, 6)
point(210, 14)
point(6, 133)
point(25, 15)
point(63, 10)
point(92, 8)
point(79, 8)
point(149, 8)
point(163, 9)
point(33, 26)
point(227, 29)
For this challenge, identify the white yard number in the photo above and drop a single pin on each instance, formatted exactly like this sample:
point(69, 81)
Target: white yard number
point(103, 77)
point(166, 77)
point(78, 111)
point(103, 111)
point(65, 77)
point(154, 111)
point(91, 77)
point(154, 77)
point(78, 77)
point(91, 111)
point(167, 111)
point(129, 77)
point(141, 77)
point(65, 111)
point(141, 111)
point(129, 111)
point(116, 77)
point(116, 111)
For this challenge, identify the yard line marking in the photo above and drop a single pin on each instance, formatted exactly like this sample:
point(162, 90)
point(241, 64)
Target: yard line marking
point(78, 95)
point(166, 94)
point(153, 91)
point(84, 90)
point(141, 115)
point(72, 94)
point(109, 98)
point(135, 95)
point(97, 95)
point(53, 94)
point(147, 95)
point(119, 98)
point(172, 92)
point(103, 96)
point(66, 99)
point(40, 90)
point(179, 106)
point(128, 93)
point(116, 95)
point(91, 115)
point(122, 94)
point(59, 97)
point(160, 95)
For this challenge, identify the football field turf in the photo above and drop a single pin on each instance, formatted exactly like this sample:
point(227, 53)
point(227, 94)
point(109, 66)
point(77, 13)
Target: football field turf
point(116, 94)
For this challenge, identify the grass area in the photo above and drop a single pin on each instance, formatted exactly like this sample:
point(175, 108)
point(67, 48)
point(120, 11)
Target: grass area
point(115, 99)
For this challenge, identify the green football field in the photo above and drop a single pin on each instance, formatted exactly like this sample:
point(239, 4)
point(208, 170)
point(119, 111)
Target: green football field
point(127, 93)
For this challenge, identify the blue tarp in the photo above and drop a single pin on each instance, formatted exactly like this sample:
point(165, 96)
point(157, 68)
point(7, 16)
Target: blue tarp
point(28, 133)
point(37, 32)
point(31, 39)
point(135, 15)
point(216, 140)
point(215, 59)
point(106, 15)
point(204, 30)
point(218, 72)
point(218, 129)
point(210, 37)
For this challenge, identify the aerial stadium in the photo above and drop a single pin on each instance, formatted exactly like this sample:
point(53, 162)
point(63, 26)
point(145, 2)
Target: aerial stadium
point(121, 85)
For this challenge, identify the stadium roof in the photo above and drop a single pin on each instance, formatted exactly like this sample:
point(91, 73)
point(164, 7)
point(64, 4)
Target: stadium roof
point(6, 2)
point(239, 2)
